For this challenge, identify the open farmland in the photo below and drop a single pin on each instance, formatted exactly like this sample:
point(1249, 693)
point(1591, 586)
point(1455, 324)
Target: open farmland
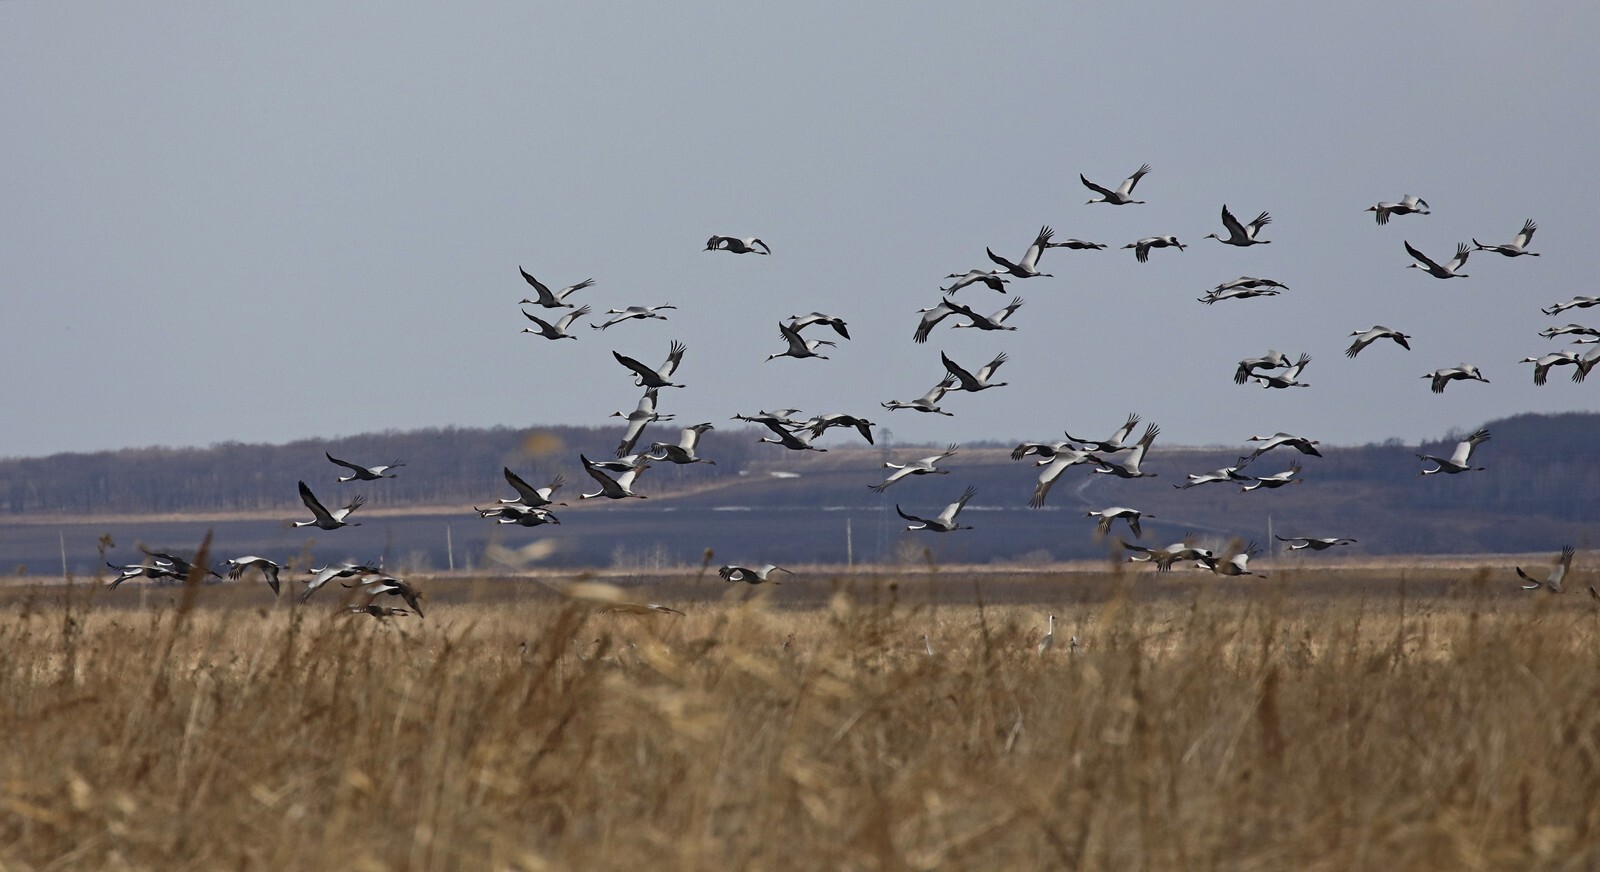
point(1429, 717)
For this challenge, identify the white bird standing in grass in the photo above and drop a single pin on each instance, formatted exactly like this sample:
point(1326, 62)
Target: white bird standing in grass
point(1049, 639)
point(1122, 196)
point(945, 522)
point(1461, 459)
point(1517, 247)
point(544, 297)
point(1442, 377)
point(324, 519)
point(1449, 270)
point(1558, 572)
point(558, 330)
point(1241, 234)
point(365, 473)
point(1408, 205)
point(924, 466)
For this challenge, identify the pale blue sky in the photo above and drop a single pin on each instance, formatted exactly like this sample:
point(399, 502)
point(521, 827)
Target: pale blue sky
point(262, 222)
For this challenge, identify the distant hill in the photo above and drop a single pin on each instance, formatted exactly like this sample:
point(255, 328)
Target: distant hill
point(1542, 489)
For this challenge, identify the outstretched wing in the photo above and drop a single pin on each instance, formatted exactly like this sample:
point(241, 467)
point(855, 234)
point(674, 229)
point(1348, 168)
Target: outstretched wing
point(1235, 229)
point(1420, 257)
point(1127, 185)
point(345, 463)
point(1104, 192)
point(316, 507)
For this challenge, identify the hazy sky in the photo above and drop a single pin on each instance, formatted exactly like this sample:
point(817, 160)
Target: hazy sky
point(262, 222)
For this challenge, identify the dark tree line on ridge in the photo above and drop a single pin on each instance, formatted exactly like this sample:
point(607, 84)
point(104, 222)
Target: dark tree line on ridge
point(1539, 466)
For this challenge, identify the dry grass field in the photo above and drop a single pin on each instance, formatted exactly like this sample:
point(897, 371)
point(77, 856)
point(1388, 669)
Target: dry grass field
point(1197, 724)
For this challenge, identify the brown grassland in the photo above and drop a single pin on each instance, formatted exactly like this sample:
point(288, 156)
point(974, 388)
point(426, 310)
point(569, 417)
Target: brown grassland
point(1198, 724)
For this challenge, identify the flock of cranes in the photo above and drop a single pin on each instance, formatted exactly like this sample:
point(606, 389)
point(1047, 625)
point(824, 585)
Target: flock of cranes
point(1118, 456)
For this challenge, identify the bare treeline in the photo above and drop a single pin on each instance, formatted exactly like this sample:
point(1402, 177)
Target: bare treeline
point(451, 465)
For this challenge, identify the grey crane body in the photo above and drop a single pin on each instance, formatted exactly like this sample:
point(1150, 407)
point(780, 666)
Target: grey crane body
point(1142, 247)
point(1108, 515)
point(543, 296)
point(1408, 205)
point(1461, 459)
point(1449, 270)
point(617, 488)
point(558, 329)
point(365, 473)
point(1517, 247)
point(1443, 377)
point(1122, 196)
point(269, 569)
point(1239, 234)
point(923, 466)
point(1363, 338)
point(1028, 267)
point(945, 521)
point(1558, 573)
point(659, 377)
